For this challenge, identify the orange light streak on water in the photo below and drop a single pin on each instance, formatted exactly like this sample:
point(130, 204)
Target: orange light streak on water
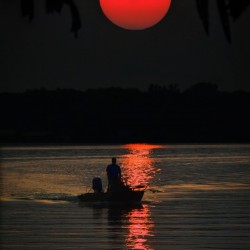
point(140, 229)
point(137, 166)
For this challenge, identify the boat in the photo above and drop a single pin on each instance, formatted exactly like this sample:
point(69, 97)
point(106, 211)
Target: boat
point(122, 195)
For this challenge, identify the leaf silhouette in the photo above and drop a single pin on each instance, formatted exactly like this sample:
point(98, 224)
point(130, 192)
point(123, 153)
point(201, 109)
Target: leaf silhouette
point(54, 5)
point(57, 5)
point(202, 6)
point(227, 9)
point(224, 16)
point(27, 7)
point(237, 7)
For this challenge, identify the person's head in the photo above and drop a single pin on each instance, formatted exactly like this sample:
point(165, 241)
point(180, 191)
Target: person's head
point(114, 160)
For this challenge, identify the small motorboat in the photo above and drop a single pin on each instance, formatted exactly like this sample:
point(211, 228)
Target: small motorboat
point(122, 194)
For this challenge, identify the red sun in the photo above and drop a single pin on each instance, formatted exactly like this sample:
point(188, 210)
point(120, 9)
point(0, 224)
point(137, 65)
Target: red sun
point(135, 14)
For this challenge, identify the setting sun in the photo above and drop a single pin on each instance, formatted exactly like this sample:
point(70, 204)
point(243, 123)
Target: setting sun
point(135, 14)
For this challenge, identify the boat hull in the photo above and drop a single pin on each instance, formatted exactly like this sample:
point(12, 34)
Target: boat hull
point(127, 197)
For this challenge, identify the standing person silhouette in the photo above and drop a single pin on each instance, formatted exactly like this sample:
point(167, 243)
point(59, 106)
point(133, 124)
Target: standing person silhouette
point(114, 175)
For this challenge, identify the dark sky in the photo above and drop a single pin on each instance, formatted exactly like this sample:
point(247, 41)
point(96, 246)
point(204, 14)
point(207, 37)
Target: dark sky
point(44, 53)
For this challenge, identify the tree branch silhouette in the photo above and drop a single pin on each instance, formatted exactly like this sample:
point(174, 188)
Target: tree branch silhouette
point(227, 9)
point(27, 7)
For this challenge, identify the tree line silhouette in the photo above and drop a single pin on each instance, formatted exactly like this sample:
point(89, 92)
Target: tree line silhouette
point(201, 113)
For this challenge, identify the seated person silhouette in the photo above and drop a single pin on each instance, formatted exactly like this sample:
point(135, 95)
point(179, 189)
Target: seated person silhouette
point(97, 185)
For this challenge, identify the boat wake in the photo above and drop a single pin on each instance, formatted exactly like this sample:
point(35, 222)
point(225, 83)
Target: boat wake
point(49, 197)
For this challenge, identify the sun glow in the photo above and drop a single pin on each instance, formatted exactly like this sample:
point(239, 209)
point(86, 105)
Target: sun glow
point(137, 166)
point(135, 14)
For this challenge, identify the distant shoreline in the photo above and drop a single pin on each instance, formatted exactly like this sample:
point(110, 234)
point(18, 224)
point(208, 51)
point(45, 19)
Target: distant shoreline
point(200, 114)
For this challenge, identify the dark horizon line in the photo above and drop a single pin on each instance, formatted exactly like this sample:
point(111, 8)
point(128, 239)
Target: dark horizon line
point(113, 87)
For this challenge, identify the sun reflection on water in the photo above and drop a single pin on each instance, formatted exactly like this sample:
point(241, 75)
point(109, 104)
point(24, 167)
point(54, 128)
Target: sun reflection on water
point(137, 166)
point(140, 229)
point(138, 169)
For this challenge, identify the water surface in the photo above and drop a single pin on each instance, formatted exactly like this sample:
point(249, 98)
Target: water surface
point(197, 197)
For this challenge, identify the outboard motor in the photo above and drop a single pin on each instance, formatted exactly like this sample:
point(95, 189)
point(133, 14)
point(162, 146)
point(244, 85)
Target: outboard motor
point(97, 185)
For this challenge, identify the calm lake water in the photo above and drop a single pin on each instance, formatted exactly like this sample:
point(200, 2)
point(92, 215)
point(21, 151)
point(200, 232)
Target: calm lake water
point(198, 197)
